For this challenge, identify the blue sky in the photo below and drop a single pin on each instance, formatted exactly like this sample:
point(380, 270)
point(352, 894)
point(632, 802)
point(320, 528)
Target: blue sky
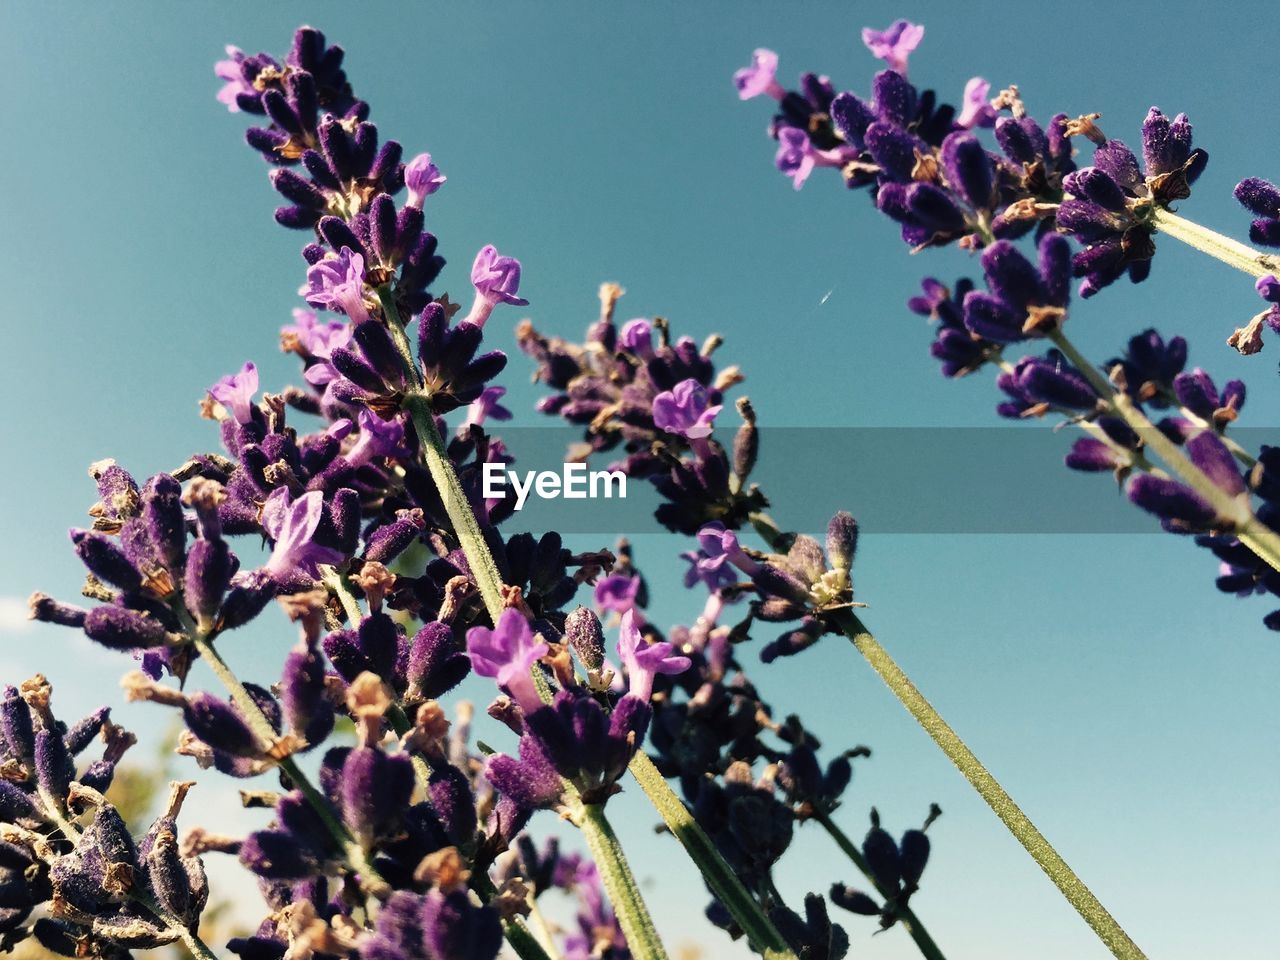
point(1126, 704)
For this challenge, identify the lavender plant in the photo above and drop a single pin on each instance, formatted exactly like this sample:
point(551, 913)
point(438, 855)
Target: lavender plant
point(1160, 429)
point(393, 836)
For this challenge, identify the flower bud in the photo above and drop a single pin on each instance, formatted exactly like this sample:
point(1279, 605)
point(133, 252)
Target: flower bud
point(583, 631)
point(119, 628)
point(54, 769)
point(16, 725)
point(220, 725)
point(105, 560)
point(436, 664)
point(842, 541)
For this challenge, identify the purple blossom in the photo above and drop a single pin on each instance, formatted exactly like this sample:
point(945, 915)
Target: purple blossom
point(636, 336)
point(797, 157)
point(684, 411)
point(292, 524)
point(894, 44)
point(976, 110)
point(760, 77)
point(235, 84)
point(235, 392)
point(720, 546)
point(497, 280)
point(378, 438)
point(422, 178)
point(508, 653)
point(337, 283)
point(617, 593)
point(644, 660)
point(313, 338)
point(486, 407)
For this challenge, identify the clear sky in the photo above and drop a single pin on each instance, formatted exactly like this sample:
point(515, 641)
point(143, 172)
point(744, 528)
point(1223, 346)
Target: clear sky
point(1127, 705)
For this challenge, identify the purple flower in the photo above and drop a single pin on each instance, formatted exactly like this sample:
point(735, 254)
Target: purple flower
point(721, 546)
point(1023, 299)
point(796, 157)
point(378, 438)
point(313, 339)
point(292, 524)
point(508, 653)
point(684, 411)
point(644, 660)
point(977, 110)
point(235, 392)
point(337, 283)
point(894, 44)
point(617, 592)
point(422, 178)
point(486, 406)
point(636, 336)
point(497, 280)
point(760, 77)
point(235, 84)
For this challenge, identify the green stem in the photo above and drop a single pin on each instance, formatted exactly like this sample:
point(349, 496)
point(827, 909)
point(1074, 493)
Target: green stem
point(1258, 537)
point(461, 516)
point(724, 883)
point(619, 884)
point(905, 914)
point(1231, 252)
point(1049, 860)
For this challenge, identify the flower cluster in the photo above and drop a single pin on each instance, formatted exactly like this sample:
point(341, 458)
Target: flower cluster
point(941, 184)
point(99, 887)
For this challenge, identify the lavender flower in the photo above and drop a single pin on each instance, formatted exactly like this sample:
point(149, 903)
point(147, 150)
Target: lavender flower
point(685, 411)
point(497, 280)
point(894, 44)
point(760, 77)
point(235, 392)
point(1261, 198)
point(508, 653)
point(422, 178)
point(338, 284)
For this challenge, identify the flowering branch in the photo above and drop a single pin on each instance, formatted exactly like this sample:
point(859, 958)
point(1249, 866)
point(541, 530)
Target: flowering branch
point(928, 949)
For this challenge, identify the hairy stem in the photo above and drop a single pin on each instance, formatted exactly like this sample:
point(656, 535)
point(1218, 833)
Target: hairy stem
point(1231, 252)
point(724, 883)
point(919, 934)
point(1258, 537)
point(1050, 861)
point(461, 516)
point(619, 883)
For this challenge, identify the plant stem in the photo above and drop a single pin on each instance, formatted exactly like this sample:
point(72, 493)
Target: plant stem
point(619, 883)
point(919, 934)
point(1258, 537)
point(724, 883)
point(1049, 860)
point(463, 518)
point(1231, 252)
